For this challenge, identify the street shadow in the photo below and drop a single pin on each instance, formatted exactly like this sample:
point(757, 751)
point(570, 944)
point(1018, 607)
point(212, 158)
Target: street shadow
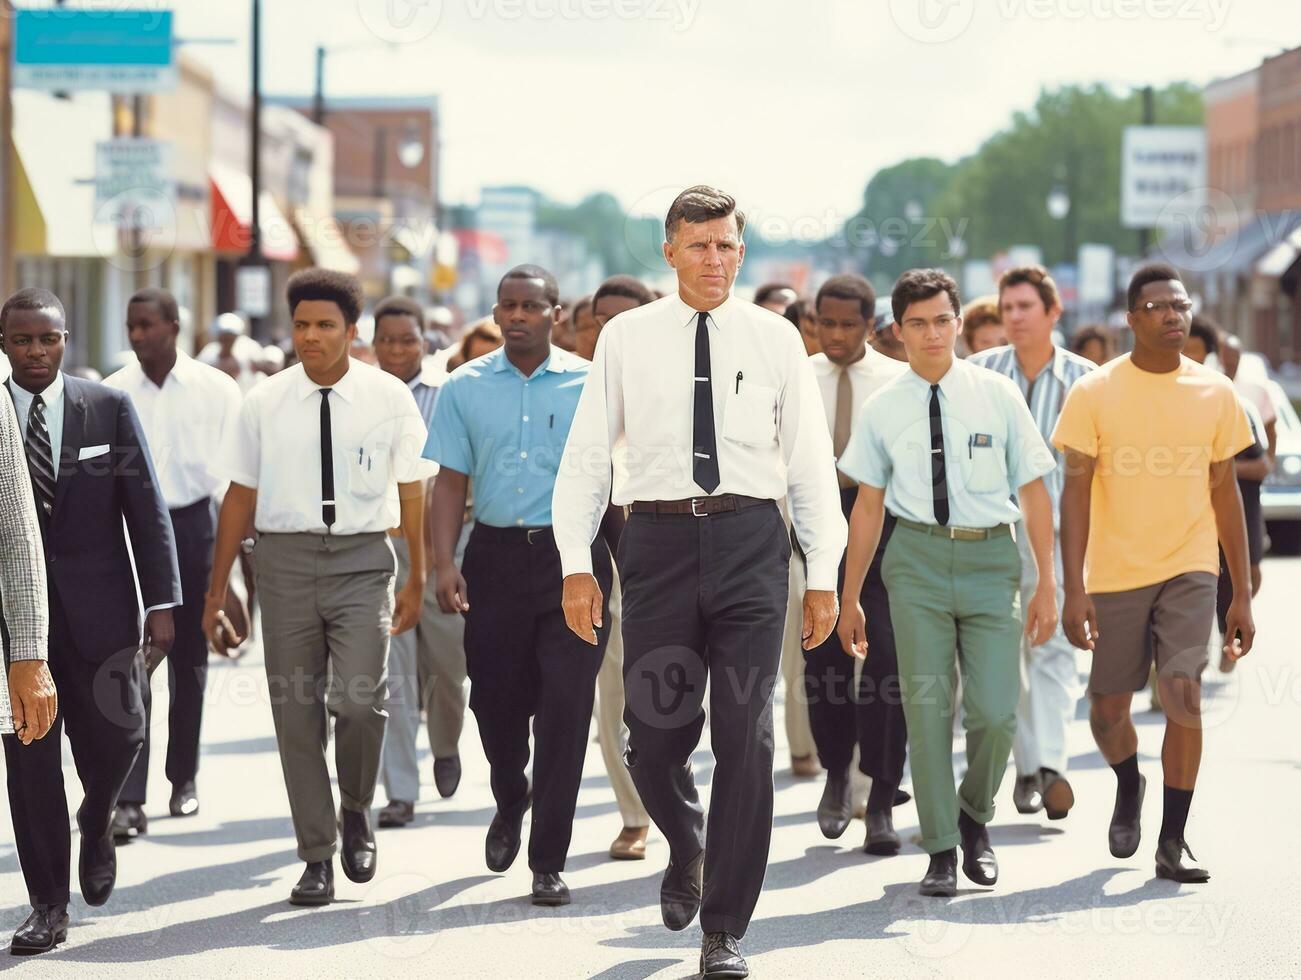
point(242, 746)
point(638, 970)
point(230, 832)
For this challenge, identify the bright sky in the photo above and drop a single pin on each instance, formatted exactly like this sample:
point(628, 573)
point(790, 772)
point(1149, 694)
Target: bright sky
point(789, 104)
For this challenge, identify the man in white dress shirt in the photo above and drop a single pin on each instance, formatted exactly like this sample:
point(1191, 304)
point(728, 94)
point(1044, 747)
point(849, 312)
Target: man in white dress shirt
point(325, 459)
point(709, 412)
point(185, 408)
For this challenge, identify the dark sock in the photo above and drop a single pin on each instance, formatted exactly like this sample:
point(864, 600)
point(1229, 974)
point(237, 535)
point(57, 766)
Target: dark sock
point(1175, 814)
point(1127, 776)
point(881, 796)
point(967, 823)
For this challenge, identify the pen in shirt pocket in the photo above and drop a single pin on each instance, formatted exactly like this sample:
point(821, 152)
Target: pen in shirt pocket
point(739, 377)
point(970, 442)
point(551, 421)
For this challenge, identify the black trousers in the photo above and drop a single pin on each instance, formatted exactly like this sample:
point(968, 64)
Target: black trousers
point(187, 664)
point(524, 662)
point(704, 600)
point(101, 709)
point(871, 712)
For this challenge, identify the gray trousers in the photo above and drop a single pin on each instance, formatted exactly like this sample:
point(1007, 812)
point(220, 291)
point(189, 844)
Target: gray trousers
point(426, 669)
point(327, 605)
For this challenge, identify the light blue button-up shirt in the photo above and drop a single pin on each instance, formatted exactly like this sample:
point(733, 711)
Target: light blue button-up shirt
point(507, 432)
point(53, 400)
point(991, 446)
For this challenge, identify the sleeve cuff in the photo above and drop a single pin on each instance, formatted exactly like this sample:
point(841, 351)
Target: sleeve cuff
point(575, 561)
point(32, 651)
point(822, 574)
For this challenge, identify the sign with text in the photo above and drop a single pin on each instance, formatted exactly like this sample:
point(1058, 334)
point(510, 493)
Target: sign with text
point(1162, 175)
point(134, 183)
point(58, 49)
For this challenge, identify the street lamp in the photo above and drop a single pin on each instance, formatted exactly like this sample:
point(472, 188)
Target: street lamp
point(1059, 202)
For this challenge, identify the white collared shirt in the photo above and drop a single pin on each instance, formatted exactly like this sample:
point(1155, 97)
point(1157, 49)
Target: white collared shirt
point(53, 398)
point(185, 422)
point(867, 375)
point(991, 446)
point(636, 415)
point(275, 448)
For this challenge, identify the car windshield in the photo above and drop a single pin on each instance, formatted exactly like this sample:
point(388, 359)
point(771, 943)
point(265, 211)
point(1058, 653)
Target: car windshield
point(1287, 417)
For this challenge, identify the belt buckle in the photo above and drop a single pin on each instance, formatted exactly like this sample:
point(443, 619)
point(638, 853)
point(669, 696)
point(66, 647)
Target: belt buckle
point(532, 531)
point(694, 501)
point(954, 529)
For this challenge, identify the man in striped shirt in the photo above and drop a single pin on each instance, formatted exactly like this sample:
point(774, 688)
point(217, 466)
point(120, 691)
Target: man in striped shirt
point(1030, 306)
point(426, 665)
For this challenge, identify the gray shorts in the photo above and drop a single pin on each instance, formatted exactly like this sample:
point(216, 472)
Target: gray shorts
point(1169, 622)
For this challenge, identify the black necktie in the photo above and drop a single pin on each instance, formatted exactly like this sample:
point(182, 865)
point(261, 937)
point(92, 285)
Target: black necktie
point(939, 488)
point(327, 461)
point(704, 448)
point(40, 457)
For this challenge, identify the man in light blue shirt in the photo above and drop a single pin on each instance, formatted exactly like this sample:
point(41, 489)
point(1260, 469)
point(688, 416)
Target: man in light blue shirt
point(501, 421)
point(945, 447)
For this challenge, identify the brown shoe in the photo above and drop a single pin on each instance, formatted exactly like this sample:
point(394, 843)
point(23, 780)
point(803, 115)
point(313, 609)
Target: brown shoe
point(1057, 794)
point(630, 845)
point(805, 766)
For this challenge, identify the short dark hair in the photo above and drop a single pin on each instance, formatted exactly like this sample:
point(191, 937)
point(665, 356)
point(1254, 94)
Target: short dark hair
point(582, 303)
point(1206, 329)
point(849, 287)
point(31, 298)
point(1038, 277)
point(919, 284)
point(329, 285)
point(795, 313)
point(550, 288)
point(164, 300)
point(701, 203)
point(400, 306)
point(1158, 272)
point(629, 286)
point(1094, 331)
point(770, 289)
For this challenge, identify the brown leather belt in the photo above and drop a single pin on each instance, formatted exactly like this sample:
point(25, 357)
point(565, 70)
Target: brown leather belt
point(698, 506)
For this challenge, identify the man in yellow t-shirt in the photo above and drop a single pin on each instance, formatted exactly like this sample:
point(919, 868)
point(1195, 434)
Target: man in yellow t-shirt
point(1149, 440)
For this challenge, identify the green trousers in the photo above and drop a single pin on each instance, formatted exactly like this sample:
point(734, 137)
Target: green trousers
point(955, 603)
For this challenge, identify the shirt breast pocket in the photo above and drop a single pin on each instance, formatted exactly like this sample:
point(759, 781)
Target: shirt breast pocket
point(986, 464)
point(368, 471)
point(750, 414)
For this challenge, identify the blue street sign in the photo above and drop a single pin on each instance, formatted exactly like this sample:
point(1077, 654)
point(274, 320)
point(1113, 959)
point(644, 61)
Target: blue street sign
point(123, 51)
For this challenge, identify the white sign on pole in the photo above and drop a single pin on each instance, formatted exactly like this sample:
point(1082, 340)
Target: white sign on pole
point(253, 289)
point(134, 182)
point(1162, 175)
point(1097, 274)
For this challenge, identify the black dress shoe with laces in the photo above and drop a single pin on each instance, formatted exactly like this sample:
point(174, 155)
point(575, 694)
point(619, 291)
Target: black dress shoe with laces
point(502, 842)
point(184, 801)
point(941, 878)
point(447, 775)
point(97, 869)
point(1170, 865)
point(881, 836)
point(1124, 833)
point(549, 889)
point(720, 956)
point(44, 929)
point(978, 861)
point(316, 886)
point(357, 845)
point(680, 891)
point(836, 808)
point(129, 822)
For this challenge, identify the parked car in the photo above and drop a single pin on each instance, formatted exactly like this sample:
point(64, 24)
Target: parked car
point(1280, 495)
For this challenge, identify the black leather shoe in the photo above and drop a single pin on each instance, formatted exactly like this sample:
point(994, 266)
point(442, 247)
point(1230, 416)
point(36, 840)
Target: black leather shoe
point(129, 822)
point(447, 775)
point(881, 838)
point(316, 886)
point(941, 879)
point(978, 861)
point(549, 889)
point(356, 845)
point(720, 956)
point(97, 869)
point(1124, 833)
point(1027, 794)
point(398, 813)
point(680, 892)
point(836, 808)
point(44, 929)
point(184, 801)
point(502, 843)
point(1170, 865)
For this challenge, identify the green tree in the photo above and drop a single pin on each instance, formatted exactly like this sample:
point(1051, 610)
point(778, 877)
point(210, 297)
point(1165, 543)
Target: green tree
point(895, 229)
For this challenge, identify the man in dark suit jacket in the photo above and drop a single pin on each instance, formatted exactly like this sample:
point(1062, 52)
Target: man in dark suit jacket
point(91, 474)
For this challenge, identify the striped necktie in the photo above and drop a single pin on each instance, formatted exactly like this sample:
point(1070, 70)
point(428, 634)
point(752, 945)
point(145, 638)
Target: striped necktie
point(40, 457)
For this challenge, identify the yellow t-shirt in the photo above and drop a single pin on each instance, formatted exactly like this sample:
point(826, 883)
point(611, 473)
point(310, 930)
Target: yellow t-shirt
point(1154, 437)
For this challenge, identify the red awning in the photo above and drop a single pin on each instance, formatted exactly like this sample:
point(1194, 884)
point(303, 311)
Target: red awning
point(491, 248)
point(232, 217)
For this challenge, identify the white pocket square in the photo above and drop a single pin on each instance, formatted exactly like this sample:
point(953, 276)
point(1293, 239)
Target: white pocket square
point(90, 452)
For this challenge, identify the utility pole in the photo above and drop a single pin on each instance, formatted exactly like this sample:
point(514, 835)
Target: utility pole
point(253, 277)
point(1149, 119)
point(7, 271)
point(318, 93)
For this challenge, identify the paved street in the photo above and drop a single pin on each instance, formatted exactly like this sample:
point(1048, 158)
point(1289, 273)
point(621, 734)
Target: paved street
point(206, 896)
